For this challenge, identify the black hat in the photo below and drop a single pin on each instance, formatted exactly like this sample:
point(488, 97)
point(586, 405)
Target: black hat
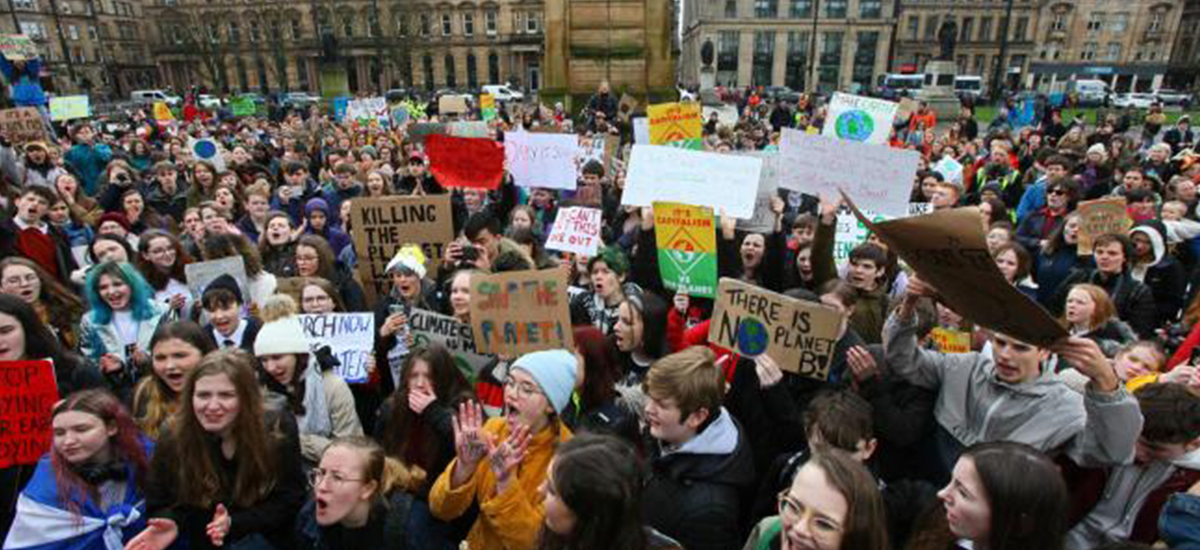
point(226, 282)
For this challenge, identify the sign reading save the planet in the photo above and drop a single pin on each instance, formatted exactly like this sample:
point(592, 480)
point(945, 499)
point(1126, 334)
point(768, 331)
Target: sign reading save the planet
point(800, 336)
point(858, 118)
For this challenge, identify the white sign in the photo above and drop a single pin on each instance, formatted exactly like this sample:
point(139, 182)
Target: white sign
point(200, 274)
point(768, 187)
point(434, 328)
point(542, 160)
point(208, 149)
point(576, 230)
point(350, 336)
point(850, 232)
point(725, 183)
point(858, 118)
point(877, 178)
point(368, 109)
point(950, 169)
point(641, 130)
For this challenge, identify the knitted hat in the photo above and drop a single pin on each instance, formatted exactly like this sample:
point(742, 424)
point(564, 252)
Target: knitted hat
point(281, 337)
point(554, 372)
point(117, 217)
point(316, 204)
point(1098, 149)
point(226, 282)
point(409, 257)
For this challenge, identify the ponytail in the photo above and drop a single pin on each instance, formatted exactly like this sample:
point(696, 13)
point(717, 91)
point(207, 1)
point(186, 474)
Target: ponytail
point(399, 477)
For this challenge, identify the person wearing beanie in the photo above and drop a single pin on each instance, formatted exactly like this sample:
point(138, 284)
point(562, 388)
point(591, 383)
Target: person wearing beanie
point(318, 397)
point(317, 215)
point(410, 290)
point(227, 324)
point(501, 463)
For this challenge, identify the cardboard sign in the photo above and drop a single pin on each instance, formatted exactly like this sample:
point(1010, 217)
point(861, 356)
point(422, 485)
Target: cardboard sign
point(800, 336)
point(949, 251)
point(858, 118)
point(69, 107)
point(18, 47)
point(162, 111)
point(350, 336)
point(687, 248)
point(384, 224)
point(519, 312)
point(243, 106)
point(452, 105)
point(542, 160)
point(676, 124)
point(668, 174)
point(951, 341)
point(434, 328)
point(22, 125)
point(199, 274)
point(1099, 217)
point(420, 131)
point(877, 178)
point(465, 162)
point(28, 395)
point(576, 230)
point(600, 148)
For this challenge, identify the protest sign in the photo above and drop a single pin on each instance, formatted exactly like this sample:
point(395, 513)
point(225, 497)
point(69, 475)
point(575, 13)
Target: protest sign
point(400, 115)
point(576, 230)
point(465, 162)
point(950, 169)
point(22, 125)
point(800, 336)
point(18, 47)
point(434, 328)
point(763, 220)
point(199, 274)
point(675, 124)
point(877, 178)
point(69, 107)
point(28, 395)
point(208, 149)
point(600, 148)
point(452, 105)
point(244, 106)
point(339, 107)
point(469, 129)
point(350, 336)
point(1099, 217)
point(420, 131)
point(542, 160)
point(641, 130)
point(950, 340)
point(162, 112)
point(907, 107)
point(727, 115)
point(948, 250)
point(367, 110)
point(487, 107)
point(687, 248)
point(858, 118)
point(519, 312)
point(384, 224)
point(668, 174)
point(850, 232)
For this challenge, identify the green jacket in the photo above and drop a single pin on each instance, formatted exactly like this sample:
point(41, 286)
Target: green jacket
point(764, 534)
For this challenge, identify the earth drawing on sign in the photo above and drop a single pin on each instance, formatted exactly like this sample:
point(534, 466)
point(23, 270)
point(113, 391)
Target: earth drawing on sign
point(752, 337)
point(855, 126)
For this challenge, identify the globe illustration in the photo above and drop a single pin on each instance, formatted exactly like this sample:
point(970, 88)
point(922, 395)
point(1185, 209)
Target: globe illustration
point(854, 126)
point(752, 337)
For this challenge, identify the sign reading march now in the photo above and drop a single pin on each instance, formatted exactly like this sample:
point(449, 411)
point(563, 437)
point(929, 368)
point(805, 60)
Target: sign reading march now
point(350, 337)
point(519, 312)
point(382, 225)
point(687, 248)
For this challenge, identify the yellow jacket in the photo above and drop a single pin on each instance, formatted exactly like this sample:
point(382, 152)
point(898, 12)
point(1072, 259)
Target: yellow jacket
point(508, 521)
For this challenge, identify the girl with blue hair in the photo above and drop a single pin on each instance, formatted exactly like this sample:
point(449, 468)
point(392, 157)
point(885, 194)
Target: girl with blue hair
point(122, 319)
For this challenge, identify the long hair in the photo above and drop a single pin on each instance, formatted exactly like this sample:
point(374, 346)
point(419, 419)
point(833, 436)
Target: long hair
point(40, 342)
point(225, 245)
point(599, 478)
point(326, 268)
point(866, 526)
point(157, 278)
point(153, 401)
point(141, 298)
point(653, 312)
point(62, 304)
point(126, 445)
point(1103, 309)
point(601, 367)
point(195, 457)
point(389, 474)
point(1057, 240)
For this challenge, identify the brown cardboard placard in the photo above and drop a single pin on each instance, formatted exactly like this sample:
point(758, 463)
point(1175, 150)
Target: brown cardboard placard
point(384, 224)
point(522, 311)
point(1099, 217)
point(800, 336)
point(22, 125)
point(452, 104)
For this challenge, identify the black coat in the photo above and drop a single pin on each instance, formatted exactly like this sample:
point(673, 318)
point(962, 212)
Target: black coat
point(1134, 301)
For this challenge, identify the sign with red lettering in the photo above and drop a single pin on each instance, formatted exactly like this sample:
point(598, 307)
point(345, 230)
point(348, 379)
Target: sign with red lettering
point(519, 312)
point(27, 395)
point(465, 162)
point(576, 230)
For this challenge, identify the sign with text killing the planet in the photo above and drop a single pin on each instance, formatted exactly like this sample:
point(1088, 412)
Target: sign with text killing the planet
point(384, 224)
point(27, 395)
point(519, 312)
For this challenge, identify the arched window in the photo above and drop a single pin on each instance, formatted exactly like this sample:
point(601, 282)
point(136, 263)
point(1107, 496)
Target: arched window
point(493, 68)
point(427, 66)
point(472, 72)
point(451, 77)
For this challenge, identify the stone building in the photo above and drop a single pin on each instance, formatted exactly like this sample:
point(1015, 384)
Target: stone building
point(1185, 54)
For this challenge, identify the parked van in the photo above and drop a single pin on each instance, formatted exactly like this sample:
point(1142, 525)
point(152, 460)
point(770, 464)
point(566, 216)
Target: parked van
point(150, 97)
point(895, 86)
point(502, 92)
point(1090, 93)
point(968, 88)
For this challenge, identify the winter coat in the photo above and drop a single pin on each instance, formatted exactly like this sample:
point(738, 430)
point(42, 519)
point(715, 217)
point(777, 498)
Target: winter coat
point(173, 205)
point(1179, 524)
point(24, 173)
point(338, 406)
point(1038, 226)
point(387, 526)
point(1134, 301)
point(88, 162)
point(1164, 275)
point(1051, 269)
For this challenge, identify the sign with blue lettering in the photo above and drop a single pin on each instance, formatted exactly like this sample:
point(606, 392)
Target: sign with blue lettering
point(351, 338)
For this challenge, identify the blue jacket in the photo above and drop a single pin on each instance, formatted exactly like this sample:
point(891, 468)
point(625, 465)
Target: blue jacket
point(1032, 200)
point(26, 89)
point(89, 162)
point(1179, 524)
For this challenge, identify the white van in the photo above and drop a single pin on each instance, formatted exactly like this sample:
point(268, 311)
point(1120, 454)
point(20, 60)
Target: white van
point(1090, 93)
point(503, 93)
point(150, 97)
point(968, 87)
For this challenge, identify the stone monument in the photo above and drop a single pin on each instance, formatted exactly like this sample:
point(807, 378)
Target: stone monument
point(938, 91)
point(708, 74)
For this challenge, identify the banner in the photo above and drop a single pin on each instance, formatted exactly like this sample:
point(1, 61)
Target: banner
point(858, 118)
point(879, 179)
point(420, 131)
point(434, 328)
point(351, 338)
point(519, 312)
point(687, 248)
point(28, 393)
point(367, 110)
point(1100, 217)
point(18, 47)
point(465, 162)
point(199, 274)
point(22, 125)
point(676, 124)
point(243, 106)
point(800, 336)
point(576, 230)
point(69, 107)
point(384, 224)
point(542, 160)
point(469, 129)
point(162, 112)
point(667, 174)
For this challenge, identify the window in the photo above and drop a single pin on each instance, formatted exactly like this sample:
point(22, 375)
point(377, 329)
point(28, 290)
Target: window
point(493, 68)
point(25, 5)
point(1120, 22)
point(835, 9)
point(532, 23)
point(931, 27)
point(65, 7)
point(235, 32)
point(424, 24)
point(796, 72)
point(469, 30)
point(1059, 23)
point(829, 71)
point(373, 25)
point(914, 27)
point(961, 64)
point(764, 58)
point(979, 63)
point(347, 26)
point(297, 30)
point(446, 25)
point(427, 68)
point(33, 30)
point(1020, 29)
point(274, 32)
point(864, 59)
point(73, 32)
point(451, 78)
point(800, 9)
point(966, 29)
point(1156, 21)
point(1089, 51)
point(727, 57)
point(1096, 21)
point(1114, 51)
point(472, 72)
point(490, 21)
point(214, 33)
point(766, 9)
point(255, 31)
point(730, 9)
point(985, 29)
point(870, 9)
point(401, 24)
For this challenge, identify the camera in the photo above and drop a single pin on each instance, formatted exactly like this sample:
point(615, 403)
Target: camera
point(470, 253)
point(122, 178)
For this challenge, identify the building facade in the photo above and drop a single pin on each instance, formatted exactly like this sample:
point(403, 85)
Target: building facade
point(981, 25)
point(269, 45)
point(806, 45)
point(1127, 44)
point(88, 46)
point(1184, 72)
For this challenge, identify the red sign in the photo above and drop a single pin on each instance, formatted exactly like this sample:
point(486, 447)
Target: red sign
point(28, 392)
point(465, 162)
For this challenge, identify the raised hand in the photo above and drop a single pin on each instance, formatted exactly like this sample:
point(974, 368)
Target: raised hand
point(470, 441)
point(158, 534)
point(768, 371)
point(505, 457)
point(1086, 357)
point(862, 364)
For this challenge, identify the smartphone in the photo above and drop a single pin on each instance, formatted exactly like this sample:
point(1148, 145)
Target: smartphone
point(397, 308)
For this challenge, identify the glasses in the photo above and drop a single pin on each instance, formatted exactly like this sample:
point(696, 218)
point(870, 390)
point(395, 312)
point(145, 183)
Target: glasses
point(520, 389)
point(1058, 192)
point(164, 251)
point(336, 479)
point(17, 280)
point(791, 511)
point(305, 258)
point(322, 299)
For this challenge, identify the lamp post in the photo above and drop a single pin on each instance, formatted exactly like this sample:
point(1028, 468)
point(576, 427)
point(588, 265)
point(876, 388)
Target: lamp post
point(1000, 72)
point(811, 85)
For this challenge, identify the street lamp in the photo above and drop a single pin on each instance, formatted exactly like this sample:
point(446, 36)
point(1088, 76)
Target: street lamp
point(1000, 72)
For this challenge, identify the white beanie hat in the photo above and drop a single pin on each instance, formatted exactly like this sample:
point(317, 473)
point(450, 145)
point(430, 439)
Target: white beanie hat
point(409, 257)
point(281, 337)
point(554, 371)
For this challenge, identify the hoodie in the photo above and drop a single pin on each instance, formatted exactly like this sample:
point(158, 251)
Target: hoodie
point(1164, 274)
point(337, 238)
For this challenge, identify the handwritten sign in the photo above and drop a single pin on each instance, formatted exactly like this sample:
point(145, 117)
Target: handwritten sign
point(384, 224)
point(687, 248)
point(22, 125)
point(1099, 217)
point(857, 118)
point(601, 149)
point(243, 106)
point(951, 341)
point(763, 220)
point(877, 178)
point(519, 312)
point(800, 336)
point(28, 393)
point(18, 47)
point(367, 110)
point(667, 174)
point(452, 105)
point(576, 230)
point(350, 336)
point(69, 107)
point(542, 160)
point(675, 124)
point(200, 274)
point(950, 169)
point(465, 162)
point(434, 328)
